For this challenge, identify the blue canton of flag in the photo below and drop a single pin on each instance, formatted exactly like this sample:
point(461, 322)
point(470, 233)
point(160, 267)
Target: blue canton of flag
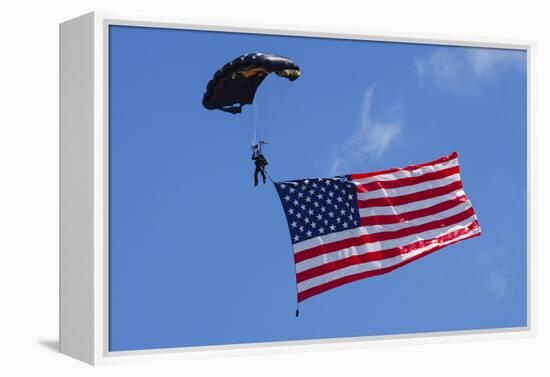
point(318, 206)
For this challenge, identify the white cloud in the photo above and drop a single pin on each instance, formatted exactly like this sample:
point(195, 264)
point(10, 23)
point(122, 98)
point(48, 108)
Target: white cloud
point(498, 286)
point(370, 139)
point(489, 264)
point(461, 68)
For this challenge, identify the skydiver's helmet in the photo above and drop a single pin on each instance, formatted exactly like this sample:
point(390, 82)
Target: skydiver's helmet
point(255, 146)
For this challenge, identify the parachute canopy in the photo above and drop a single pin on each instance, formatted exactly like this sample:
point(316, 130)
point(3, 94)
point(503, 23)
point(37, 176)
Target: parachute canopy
point(235, 84)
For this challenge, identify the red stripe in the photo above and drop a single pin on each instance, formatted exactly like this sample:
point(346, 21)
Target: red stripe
point(380, 255)
point(409, 168)
point(381, 236)
point(409, 198)
point(351, 278)
point(407, 216)
point(408, 181)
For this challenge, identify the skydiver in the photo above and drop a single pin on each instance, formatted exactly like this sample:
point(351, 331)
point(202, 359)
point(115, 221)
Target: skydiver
point(259, 160)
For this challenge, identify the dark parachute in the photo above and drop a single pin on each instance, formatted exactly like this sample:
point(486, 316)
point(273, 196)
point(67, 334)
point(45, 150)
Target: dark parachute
point(235, 84)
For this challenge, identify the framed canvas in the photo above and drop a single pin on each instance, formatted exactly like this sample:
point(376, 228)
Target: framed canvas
point(239, 188)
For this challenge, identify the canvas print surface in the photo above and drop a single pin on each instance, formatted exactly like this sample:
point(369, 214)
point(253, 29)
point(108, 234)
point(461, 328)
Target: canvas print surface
point(269, 188)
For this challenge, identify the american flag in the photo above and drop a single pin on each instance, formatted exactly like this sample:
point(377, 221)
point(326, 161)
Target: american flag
point(352, 227)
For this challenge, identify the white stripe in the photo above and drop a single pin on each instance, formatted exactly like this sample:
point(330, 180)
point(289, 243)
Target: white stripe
point(381, 245)
point(409, 173)
point(374, 265)
point(405, 190)
point(420, 204)
point(461, 207)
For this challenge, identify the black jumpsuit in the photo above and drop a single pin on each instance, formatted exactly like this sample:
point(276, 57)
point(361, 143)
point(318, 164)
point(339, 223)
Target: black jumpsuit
point(261, 163)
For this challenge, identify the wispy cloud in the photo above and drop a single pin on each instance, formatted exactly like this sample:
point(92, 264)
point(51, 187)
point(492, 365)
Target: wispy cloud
point(493, 276)
point(460, 68)
point(498, 285)
point(370, 139)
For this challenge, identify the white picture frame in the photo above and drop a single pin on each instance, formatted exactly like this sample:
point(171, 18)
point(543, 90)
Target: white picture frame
point(84, 197)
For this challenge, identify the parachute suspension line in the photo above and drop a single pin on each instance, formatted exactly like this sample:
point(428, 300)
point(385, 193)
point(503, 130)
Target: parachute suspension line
point(252, 116)
point(255, 120)
point(244, 129)
point(267, 108)
point(262, 107)
point(272, 90)
point(261, 117)
point(248, 118)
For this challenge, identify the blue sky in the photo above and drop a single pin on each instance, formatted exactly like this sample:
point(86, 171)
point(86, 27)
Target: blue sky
point(198, 256)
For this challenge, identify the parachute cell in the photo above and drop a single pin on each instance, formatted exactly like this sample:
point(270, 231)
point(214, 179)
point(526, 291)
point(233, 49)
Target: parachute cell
point(235, 84)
